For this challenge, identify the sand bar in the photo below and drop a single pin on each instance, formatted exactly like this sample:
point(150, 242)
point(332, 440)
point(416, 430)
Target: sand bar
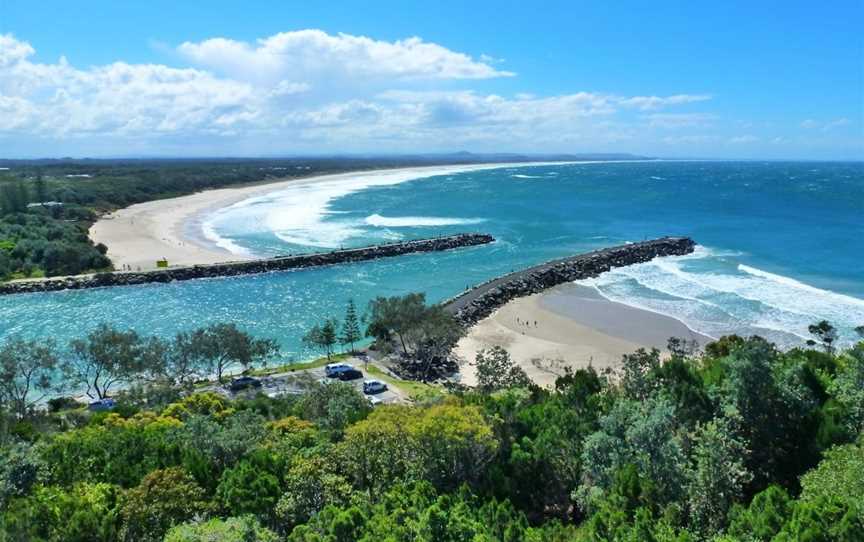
point(568, 325)
point(138, 235)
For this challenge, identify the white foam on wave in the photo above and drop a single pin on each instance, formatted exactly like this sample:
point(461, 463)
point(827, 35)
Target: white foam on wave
point(797, 285)
point(417, 221)
point(296, 214)
point(729, 297)
point(209, 232)
point(527, 176)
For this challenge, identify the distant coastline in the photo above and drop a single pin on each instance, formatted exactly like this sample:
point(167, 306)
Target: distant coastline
point(170, 229)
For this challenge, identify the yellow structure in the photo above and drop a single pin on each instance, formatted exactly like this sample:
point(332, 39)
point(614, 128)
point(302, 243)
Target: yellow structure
point(162, 263)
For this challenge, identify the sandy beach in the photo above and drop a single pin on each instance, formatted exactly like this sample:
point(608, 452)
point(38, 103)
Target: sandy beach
point(571, 326)
point(138, 235)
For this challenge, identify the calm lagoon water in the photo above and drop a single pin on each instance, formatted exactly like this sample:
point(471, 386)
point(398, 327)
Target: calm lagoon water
point(781, 246)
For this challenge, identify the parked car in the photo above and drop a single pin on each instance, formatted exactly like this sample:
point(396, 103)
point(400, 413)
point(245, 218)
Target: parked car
point(102, 405)
point(350, 374)
point(374, 401)
point(371, 387)
point(239, 384)
point(335, 369)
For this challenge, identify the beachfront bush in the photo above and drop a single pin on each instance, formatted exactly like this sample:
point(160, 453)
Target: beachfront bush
point(496, 371)
point(310, 485)
point(82, 513)
point(333, 406)
point(164, 498)
point(242, 529)
point(446, 445)
point(661, 452)
point(117, 451)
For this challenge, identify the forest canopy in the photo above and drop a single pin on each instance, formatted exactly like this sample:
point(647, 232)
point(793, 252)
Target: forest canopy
point(742, 442)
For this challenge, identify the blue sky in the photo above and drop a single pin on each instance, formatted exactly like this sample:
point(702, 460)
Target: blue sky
point(730, 79)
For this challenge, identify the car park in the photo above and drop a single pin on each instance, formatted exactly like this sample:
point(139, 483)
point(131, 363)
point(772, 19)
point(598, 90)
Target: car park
point(350, 374)
point(371, 387)
point(244, 382)
point(335, 369)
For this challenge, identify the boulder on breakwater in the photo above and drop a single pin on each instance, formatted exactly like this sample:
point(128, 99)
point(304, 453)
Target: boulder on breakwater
point(479, 302)
point(228, 269)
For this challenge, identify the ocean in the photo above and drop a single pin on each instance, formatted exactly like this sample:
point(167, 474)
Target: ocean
point(781, 246)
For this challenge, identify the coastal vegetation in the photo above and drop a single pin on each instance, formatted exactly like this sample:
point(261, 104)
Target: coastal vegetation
point(740, 441)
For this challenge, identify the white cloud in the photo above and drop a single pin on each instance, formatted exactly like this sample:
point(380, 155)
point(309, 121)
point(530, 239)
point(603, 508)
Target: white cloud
point(315, 55)
point(743, 139)
point(825, 126)
point(12, 50)
point(646, 103)
point(311, 87)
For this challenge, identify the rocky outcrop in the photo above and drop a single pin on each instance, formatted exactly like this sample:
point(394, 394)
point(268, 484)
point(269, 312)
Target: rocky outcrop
point(228, 269)
point(479, 302)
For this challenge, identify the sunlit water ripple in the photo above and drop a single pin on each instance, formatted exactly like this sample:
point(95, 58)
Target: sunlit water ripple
point(780, 247)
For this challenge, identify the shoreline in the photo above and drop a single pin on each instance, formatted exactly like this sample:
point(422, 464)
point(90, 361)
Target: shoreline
point(568, 326)
point(138, 235)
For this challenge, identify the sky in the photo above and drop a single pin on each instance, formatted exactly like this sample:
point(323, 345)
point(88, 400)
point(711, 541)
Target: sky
point(734, 79)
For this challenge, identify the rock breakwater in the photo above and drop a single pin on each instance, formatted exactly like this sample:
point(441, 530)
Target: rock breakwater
point(228, 269)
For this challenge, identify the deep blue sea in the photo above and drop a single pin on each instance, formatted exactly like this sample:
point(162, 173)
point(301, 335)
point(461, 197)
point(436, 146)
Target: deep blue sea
point(781, 245)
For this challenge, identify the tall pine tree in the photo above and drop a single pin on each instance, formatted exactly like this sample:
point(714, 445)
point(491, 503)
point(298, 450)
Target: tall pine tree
point(350, 326)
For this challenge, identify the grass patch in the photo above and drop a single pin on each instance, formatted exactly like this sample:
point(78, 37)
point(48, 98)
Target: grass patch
point(411, 387)
point(291, 367)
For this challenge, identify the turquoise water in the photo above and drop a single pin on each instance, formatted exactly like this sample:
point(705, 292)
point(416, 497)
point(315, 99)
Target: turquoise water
point(781, 246)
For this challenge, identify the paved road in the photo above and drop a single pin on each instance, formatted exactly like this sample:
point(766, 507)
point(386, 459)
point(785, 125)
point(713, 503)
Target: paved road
point(298, 382)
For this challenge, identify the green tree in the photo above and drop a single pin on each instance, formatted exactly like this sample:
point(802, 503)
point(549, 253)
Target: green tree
point(13, 197)
point(238, 529)
point(41, 188)
point(646, 435)
point(445, 444)
point(840, 474)
point(323, 337)
point(767, 513)
point(164, 498)
point(496, 371)
point(333, 406)
point(220, 347)
point(825, 333)
point(106, 358)
point(847, 388)
point(82, 513)
point(778, 412)
point(246, 488)
point(396, 316)
point(209, 447)
point(350, 326)
point(636, 373)
point(310, 485)
point(111, 449)
point(824, 519)
point(20, 470)
point(29, 372)
point(718, 475)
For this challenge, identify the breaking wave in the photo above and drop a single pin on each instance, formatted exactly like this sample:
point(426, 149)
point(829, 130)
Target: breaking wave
point(417, 221)
point(713, 294)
